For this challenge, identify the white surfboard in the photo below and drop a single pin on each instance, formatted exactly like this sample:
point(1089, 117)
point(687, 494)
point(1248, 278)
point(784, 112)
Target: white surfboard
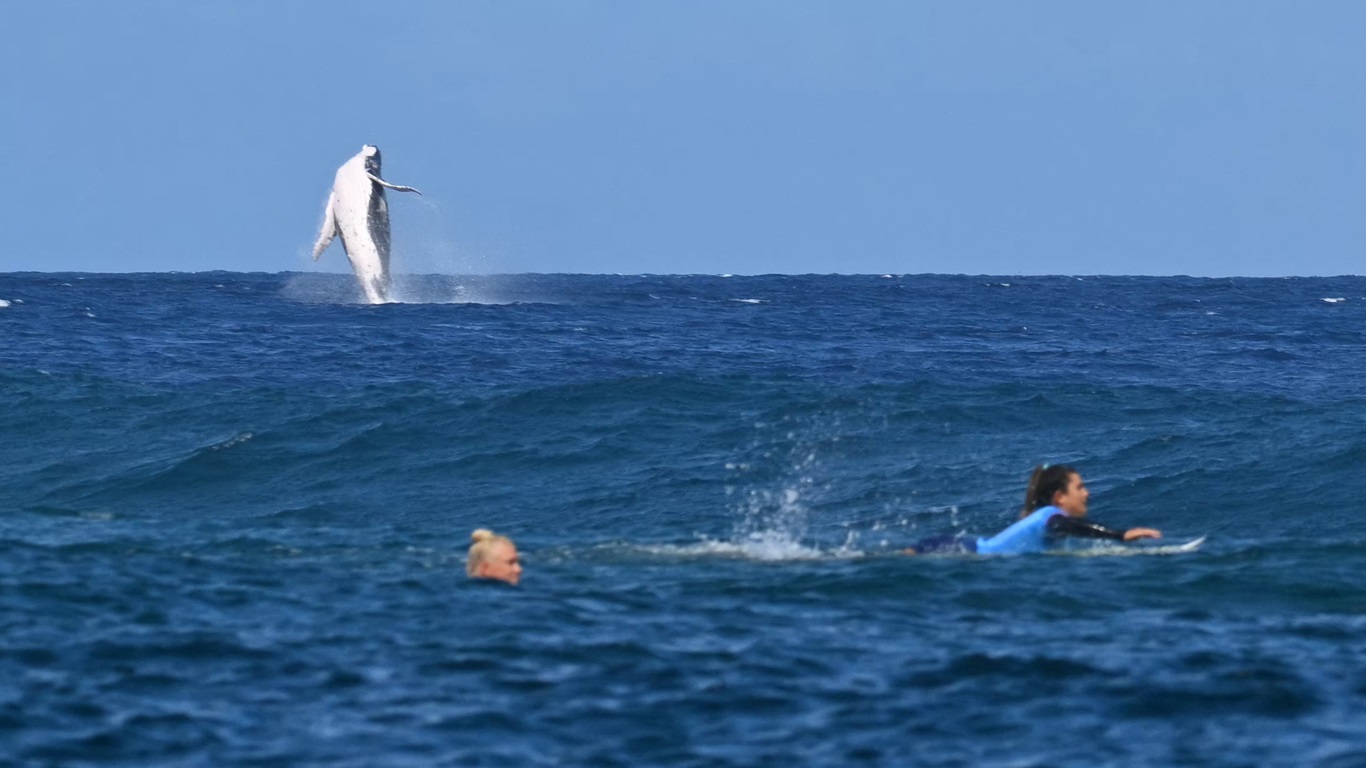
point(1124, 550)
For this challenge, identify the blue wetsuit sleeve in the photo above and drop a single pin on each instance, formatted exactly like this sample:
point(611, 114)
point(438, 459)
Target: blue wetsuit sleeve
point(1063, 525)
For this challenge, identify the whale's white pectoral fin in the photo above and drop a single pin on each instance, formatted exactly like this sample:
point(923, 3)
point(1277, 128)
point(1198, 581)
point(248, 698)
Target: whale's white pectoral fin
point(394, 187)
point(329, 229)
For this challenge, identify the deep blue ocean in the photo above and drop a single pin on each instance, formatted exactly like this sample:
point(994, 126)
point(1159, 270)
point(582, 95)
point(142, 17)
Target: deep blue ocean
point(235, 510)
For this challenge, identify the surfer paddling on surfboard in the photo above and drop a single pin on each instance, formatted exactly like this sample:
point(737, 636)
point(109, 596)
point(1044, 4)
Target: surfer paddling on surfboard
point(1055, 504)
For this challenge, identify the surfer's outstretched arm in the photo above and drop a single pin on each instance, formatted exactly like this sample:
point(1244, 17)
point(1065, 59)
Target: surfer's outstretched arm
point(395, 187)
point(1064, 525)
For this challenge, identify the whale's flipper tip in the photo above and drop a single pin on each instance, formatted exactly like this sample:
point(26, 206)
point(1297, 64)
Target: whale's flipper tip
point(395, 187)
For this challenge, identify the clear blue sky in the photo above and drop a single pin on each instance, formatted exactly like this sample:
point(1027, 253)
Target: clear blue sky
point(672, 136)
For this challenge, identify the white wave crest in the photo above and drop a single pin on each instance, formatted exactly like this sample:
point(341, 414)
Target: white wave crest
point(765, 546)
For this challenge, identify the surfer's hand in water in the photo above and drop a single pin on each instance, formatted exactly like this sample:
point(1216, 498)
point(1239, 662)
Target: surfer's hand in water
point(1142, 533)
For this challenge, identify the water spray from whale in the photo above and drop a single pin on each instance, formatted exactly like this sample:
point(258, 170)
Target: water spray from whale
point(358, 211)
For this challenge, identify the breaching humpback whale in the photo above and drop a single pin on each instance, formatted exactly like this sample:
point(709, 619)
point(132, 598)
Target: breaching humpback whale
point(358, 211)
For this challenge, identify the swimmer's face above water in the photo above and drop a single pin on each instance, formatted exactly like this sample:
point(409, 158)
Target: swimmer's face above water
point(1072, 499)
point(501, 563)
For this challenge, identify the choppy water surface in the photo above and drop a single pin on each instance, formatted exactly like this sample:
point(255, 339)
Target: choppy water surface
point(235, 509)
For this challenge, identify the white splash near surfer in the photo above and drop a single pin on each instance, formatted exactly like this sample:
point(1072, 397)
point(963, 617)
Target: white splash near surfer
point(358, 211)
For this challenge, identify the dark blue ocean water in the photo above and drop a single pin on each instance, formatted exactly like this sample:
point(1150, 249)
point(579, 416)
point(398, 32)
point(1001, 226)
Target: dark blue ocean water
point(234, 510)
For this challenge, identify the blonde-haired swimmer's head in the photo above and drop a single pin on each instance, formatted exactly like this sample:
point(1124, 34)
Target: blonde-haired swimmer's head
point(493, 557)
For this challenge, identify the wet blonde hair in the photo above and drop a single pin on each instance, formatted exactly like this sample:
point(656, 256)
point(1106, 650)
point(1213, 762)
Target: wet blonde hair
point(484, 540)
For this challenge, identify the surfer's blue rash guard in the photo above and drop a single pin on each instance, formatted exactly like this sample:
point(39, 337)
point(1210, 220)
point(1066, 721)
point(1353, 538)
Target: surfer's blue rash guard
point(1033, 533)
point(1026, 535)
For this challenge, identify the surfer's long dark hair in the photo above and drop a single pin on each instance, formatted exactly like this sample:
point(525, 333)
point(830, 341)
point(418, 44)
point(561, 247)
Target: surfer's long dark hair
point(1047, 480)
